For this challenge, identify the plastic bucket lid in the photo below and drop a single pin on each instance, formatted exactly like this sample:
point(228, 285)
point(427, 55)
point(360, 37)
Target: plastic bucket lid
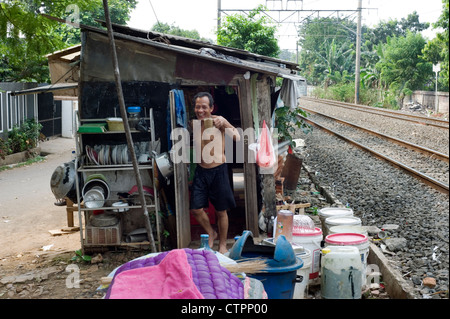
point(348, 229)
point(307, 232)
point(134, 109)
point(343, 220)
point(346, 239)
point(335, 211)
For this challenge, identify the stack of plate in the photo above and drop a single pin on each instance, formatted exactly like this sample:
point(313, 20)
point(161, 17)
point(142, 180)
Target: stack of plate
point(108, 154)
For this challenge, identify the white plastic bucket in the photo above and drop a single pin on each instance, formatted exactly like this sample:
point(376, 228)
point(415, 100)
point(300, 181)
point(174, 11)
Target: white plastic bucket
point(304, 271)
point(311, 239)
point(348, 229)
point(341, 273)
point(340, 221)
point(327, 212)
point(359, 241)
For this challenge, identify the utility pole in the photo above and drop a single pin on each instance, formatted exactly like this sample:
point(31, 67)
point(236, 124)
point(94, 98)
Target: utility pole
point(358, 53)
point(219, 12)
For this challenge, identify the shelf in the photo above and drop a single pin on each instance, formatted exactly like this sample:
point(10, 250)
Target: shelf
point(113, 207)
point(111, 132)
point(104, 168)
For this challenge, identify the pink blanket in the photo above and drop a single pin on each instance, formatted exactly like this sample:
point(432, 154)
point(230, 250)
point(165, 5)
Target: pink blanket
point(170, 279)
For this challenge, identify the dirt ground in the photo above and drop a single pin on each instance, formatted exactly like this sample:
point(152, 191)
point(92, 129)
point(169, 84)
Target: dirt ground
point(33, 263)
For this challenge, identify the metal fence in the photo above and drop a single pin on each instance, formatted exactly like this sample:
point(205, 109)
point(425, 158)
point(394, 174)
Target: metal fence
point(15, 109)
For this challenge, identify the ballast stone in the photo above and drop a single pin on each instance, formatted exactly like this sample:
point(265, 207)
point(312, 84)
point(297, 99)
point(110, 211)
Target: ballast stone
point(395, 244)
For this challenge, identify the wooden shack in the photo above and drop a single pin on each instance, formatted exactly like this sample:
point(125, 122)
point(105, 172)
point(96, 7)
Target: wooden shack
point(151, 65)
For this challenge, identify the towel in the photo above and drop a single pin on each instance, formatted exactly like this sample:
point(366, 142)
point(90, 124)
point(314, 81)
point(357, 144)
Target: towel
point(211, 279)
point(170, 279)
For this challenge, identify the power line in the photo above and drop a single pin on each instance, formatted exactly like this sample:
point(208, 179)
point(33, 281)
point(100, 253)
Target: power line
point(154, 12)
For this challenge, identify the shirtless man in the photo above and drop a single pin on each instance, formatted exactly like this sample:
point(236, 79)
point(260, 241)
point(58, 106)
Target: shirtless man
point(211, 180)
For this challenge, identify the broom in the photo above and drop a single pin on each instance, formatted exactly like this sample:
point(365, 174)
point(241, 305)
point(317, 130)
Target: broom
point(248, 266)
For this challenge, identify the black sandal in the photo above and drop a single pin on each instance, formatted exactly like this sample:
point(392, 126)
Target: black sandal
point(60, 202)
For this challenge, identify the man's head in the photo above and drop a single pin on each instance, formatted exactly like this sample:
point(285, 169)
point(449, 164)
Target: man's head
point(203, 105)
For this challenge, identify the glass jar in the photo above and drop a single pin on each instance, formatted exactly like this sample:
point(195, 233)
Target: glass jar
point(134, 116)
point(284, 225)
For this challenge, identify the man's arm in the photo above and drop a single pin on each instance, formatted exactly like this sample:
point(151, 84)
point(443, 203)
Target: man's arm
point(222, 124)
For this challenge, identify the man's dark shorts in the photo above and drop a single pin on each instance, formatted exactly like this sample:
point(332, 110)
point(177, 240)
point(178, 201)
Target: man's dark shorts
point(212, 184)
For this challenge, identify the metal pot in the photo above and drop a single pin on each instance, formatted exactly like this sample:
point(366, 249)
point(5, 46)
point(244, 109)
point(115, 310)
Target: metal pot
point(63, 180)
point(164, 164)
point(96, 180)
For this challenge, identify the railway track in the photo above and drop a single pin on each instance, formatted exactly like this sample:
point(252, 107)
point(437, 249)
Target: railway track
point(379, 146)
point(379, 193)
point(420, 119)
point(429, 166)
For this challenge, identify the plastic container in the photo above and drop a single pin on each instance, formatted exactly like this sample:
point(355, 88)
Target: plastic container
point(341, 271)
point(360, 241)
point(302, 273)
point(134, 116)
point(279, 276)
point(340, 221)
point(284, 225)
point(311, 240)
point(348, 229)
point(326, 212)
point(115, 124)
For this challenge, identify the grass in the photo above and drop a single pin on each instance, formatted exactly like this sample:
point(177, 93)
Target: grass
point(30, 161)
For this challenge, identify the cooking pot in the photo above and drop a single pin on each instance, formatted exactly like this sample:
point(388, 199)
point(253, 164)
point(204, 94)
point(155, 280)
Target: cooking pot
point(164, 164)
point(94, 198)
point(96, 180)
point(62, 182)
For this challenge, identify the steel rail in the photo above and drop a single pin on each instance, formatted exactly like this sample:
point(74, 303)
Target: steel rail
point(415, 147)
point(442, 187)
point(383, 112)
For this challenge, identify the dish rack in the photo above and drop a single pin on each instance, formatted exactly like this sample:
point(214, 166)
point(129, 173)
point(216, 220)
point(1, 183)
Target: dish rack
point(106, 154)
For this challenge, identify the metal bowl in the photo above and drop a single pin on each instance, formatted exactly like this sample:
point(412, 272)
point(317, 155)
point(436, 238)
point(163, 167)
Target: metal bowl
point(63, 180)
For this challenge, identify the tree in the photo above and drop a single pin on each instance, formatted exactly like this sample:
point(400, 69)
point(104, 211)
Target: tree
point(119, 11)
point(252, 33)
point(175, 30)
point(327, 46)
point(26, 36)
point(436, 50)
point(402, 67)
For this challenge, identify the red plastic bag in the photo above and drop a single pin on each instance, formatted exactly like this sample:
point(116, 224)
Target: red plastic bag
point(265, 156)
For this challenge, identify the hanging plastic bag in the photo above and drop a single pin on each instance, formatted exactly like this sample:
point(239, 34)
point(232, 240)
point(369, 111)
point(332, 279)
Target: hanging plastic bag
point(265, 156)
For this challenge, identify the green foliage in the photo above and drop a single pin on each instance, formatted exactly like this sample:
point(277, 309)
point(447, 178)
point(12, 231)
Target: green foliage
point(175, 30)
point(327, 47)
point(21, 138)
point(287, 121)
point(79, 257)
point(252, 33)
point(402, 67)
point(26, 36)
point(436, 50)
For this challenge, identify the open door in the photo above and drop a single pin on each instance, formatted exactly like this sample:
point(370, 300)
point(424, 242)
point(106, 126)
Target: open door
point(181, 189)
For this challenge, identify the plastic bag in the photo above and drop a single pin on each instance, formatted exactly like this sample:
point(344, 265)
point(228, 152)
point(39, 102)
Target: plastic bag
point(265, 156)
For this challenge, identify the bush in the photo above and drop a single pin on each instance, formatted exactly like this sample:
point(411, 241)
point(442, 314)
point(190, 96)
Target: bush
point(367, 96)
point(21, 138)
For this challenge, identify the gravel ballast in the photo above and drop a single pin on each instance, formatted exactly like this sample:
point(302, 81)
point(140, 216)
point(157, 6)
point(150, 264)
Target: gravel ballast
point(380, 195)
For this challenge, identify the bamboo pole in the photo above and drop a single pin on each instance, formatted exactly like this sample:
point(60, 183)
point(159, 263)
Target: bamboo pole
point(123, 113)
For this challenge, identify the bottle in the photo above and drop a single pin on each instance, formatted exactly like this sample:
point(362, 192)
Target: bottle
point(134, 116)
point(204, 242)
point(284, 225)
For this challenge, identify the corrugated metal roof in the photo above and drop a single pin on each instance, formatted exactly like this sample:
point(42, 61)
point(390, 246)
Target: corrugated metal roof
point(242, 59)
point(46, 88)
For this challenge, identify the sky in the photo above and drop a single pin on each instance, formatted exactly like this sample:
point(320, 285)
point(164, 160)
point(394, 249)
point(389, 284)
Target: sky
point(201, 15)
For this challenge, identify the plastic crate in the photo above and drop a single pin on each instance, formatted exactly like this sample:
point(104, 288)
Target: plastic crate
point(103, 235)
